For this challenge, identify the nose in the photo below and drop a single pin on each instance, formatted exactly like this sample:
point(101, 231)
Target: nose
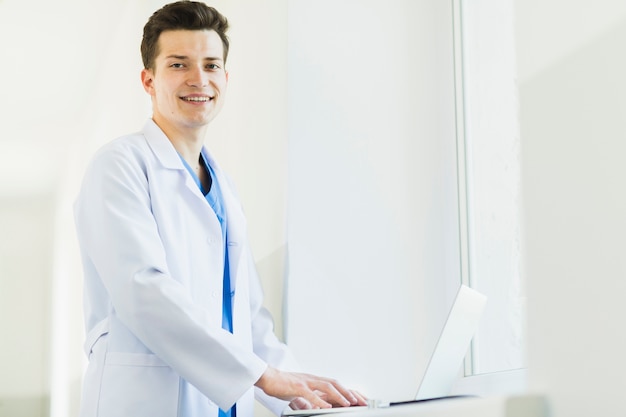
point(196, 77)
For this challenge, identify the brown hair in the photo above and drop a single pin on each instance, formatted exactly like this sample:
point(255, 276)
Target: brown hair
point(181, 15)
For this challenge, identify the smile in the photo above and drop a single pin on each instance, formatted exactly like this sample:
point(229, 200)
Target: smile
point(201, 99)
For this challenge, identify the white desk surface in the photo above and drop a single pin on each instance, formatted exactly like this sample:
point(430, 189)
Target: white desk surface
point(512, 406)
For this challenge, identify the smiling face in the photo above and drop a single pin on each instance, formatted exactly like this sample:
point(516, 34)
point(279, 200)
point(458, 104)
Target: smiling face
point(188, 81)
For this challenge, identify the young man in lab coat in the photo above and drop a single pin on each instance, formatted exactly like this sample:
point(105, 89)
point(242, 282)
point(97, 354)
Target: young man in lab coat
point(173, 305)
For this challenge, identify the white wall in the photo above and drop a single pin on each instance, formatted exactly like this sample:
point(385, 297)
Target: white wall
point(25, 264)
point(572, 66)
point(373, 210)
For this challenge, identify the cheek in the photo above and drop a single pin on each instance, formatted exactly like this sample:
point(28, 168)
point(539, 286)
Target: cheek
point(222, 85)
point(165, 95)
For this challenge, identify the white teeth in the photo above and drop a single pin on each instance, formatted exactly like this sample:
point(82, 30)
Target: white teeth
point(197, 99)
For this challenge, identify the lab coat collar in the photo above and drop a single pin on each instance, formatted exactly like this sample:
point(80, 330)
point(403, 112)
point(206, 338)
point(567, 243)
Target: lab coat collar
point(169, 158)
point(165, 151)
point(161, 146)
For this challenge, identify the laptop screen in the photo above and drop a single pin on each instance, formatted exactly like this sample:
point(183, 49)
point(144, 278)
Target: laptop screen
point(453, 343)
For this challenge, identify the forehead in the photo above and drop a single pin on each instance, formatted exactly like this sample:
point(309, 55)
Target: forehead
point(190, 43)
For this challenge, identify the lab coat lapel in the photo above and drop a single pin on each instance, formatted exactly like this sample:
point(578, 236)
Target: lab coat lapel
point(169, 158)
point(172, 166)
point(238, 254)
point(236, 223)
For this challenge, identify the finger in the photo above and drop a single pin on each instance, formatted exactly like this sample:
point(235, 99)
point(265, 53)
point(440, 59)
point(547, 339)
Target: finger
point(361, 399)
point(348, 394)
point(355, 397)
point(300, 404)
point(316, 400)
point(335, 394)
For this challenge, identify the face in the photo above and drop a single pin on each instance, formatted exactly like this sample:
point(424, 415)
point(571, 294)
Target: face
point(188, 82)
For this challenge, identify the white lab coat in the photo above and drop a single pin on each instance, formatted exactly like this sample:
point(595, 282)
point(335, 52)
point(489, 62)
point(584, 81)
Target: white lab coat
point(153, 260)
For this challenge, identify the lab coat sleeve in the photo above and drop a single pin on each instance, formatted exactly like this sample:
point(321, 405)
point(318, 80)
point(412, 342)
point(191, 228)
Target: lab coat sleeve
point(267, 345)
point(119, 235)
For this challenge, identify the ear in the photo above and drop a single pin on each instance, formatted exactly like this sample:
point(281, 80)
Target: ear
point(147, 80)
point(226, 72)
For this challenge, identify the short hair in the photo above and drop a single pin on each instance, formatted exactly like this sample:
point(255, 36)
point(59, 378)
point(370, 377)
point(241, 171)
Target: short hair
point(181, 15)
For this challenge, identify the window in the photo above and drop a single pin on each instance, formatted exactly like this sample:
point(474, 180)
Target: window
point(489, 175)
point(373, 196)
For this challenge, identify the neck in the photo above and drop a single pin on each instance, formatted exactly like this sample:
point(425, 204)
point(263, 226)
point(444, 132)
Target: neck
point(190, 151)
point(187, 142)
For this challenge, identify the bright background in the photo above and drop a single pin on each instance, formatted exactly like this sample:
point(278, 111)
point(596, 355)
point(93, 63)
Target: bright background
point(313, 94)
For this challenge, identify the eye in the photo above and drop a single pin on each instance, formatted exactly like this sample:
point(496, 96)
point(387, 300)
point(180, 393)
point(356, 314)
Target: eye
point(212, 66)
point(177, 65)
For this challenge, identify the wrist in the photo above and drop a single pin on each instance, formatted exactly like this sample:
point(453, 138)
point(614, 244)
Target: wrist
point(265, 377)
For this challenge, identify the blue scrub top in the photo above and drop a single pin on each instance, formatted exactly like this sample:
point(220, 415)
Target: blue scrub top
point(215, 200)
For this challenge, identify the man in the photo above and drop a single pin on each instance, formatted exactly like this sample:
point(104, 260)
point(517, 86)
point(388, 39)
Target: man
point(173, 305)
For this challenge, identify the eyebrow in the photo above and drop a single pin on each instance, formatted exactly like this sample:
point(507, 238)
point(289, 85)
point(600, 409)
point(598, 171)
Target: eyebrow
point(183, 57)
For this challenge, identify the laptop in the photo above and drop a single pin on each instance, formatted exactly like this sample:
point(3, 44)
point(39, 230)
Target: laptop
point(445, 362)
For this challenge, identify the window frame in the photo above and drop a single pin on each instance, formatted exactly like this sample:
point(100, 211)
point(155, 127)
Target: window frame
point(506, 382)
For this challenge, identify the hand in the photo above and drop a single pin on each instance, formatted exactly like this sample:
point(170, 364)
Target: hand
point(302, 404)
point(306, 391)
